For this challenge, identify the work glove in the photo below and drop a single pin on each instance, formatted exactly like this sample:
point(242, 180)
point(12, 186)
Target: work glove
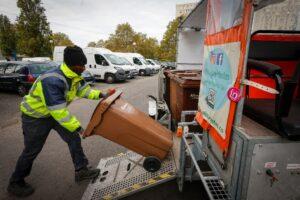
point(106, 94)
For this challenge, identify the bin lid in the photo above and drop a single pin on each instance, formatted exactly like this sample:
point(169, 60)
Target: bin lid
point(102, 106)
point(187, 79)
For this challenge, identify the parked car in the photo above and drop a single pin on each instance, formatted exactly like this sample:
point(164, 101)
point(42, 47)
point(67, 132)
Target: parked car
point(168, 65)
point(88, 77)
point(155, 65)
point(139, 62)
point(132, 68)
point(19, 76)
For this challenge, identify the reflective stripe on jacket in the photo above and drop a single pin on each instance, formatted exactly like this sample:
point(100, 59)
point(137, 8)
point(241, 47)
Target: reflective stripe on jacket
point(52, 92)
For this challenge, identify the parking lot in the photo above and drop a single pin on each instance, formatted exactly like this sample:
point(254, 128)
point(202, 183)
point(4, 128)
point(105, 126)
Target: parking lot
point(53, 169)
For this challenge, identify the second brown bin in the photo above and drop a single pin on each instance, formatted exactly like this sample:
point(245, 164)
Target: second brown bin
point(118, 121)
point(182, 90)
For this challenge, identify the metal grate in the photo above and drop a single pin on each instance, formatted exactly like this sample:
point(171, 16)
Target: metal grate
point(217, 190)
point(117, 180)
point(120, 157)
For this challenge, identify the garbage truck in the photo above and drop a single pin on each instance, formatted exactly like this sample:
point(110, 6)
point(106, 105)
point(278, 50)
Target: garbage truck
point(242, 141)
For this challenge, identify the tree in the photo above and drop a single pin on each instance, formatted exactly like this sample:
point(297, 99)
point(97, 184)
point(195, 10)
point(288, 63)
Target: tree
point(100, 43)
point(122, 40)
point(91, 44)
point(33, 30)
point(7, 37)
point(125, 39)
point(61, 39)
point(167, 50)
point(146, 46)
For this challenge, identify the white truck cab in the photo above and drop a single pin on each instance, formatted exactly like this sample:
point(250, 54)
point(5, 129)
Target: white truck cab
point(154, 64)
point(104, 65)
point(139, 62)
point(101, 63)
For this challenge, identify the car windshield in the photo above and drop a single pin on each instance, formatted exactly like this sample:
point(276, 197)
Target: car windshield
point(143, 61)
point(116, 60)
point(39, 68)
point(150, 62)
point(125, 61)
point(155, 61)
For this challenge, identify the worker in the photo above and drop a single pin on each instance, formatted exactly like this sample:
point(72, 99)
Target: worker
point(45, 108)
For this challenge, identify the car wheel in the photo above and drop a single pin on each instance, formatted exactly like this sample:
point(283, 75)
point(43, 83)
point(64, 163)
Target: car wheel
point(142, 73)
point(109, 78)
point(22, 90)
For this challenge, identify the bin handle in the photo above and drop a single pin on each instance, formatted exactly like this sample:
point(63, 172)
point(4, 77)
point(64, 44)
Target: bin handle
point(100, 110)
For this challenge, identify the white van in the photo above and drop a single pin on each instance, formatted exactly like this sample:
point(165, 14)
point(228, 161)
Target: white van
point(37, 59)
point(155, 64)
point(139, 62)
point(127, 65)
point(101, 63)
point(58, 54)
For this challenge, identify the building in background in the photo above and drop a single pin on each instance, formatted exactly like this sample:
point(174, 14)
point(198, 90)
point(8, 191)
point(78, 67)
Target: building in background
point(184, 9)
point(281, 16)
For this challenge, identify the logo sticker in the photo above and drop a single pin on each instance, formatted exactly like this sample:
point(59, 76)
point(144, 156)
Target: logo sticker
point(234, 94)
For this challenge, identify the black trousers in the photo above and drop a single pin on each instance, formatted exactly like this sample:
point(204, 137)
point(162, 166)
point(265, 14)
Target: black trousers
point(35, 133)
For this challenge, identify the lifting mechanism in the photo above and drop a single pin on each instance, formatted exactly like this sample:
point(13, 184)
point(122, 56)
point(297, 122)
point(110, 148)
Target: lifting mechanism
point(247, 143)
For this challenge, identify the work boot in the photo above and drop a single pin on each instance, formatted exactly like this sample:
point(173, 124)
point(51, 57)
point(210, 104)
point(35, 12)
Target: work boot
point(20, 189)
point(86, 173)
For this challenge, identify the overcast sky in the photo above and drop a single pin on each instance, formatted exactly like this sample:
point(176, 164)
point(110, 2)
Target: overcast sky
point(91, 20)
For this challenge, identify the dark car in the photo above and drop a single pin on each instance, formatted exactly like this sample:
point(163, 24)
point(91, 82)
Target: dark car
point(88, 77)
point(168, 65)
point(19, 76)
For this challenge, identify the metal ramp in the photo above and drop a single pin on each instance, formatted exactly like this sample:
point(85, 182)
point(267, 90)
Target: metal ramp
point(123, 175)
point(216, 188)
point(213, 184)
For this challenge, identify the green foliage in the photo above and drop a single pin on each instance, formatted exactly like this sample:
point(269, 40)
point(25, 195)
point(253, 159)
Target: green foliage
point(122, 40)
point(92, 44)
point(146, 46)
point(33, 30)
point(167, 50)
point(100, 43)
point(61, 39)
point(125, 39)
point(7, 36)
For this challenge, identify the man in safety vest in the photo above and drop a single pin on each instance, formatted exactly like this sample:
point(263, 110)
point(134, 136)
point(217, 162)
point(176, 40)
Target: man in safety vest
point(45, 108)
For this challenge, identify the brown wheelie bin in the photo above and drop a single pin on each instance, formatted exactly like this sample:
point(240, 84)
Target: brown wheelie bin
point(118, 121)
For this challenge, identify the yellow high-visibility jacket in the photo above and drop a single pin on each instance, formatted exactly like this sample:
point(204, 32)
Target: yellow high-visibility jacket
point(52, 92)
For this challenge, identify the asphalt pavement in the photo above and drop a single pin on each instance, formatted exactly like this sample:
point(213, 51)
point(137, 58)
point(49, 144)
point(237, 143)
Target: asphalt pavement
point(53, 173)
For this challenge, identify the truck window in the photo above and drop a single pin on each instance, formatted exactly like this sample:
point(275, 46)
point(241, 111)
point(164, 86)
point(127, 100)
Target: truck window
point(137, 61)
point(18, 68)
point(22, 70)
point(100, 60)
point(10, 69)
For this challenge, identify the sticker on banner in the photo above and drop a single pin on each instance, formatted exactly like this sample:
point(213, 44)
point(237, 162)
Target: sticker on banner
point(234, 94)
point(270, 165)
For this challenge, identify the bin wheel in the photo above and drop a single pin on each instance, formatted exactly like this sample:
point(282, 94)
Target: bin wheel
point(152, 164)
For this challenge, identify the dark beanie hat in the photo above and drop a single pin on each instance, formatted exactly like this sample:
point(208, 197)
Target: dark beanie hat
point(74, 56)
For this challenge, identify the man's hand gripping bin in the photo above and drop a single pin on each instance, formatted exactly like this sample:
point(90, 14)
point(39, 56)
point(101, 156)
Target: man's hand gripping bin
point(118, 121)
